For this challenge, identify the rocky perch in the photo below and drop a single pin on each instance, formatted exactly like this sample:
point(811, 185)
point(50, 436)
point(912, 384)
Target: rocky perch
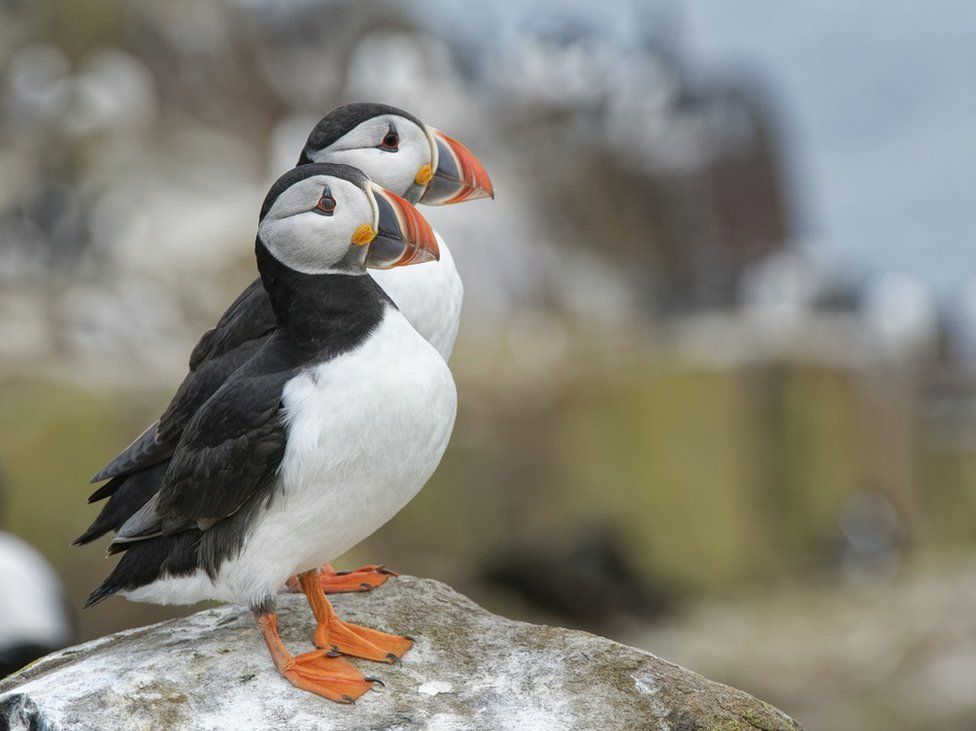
point(469, 670)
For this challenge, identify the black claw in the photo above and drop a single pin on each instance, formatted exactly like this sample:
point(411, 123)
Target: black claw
point(408, 637)
point(394, 659)
point(376, 680)
point(346, 699)
point(333, 653)
point(366, 587)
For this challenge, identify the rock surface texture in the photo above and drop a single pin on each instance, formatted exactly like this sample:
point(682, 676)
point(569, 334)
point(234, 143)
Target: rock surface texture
point(470, 670)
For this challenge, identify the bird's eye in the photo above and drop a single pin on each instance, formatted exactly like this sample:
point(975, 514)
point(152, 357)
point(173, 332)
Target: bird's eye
point(326, 205)
point(391, 141)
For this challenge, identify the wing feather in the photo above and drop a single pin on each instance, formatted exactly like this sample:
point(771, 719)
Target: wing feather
point(228, 453)
point(241, 331)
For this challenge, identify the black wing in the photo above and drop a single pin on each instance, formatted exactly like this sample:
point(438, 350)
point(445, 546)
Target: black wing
point(249, 317)
point(228, 453)
point(236, 337)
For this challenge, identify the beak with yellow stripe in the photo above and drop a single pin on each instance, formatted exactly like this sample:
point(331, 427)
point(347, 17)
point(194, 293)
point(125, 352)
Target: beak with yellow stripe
point(456, 175)
point(401, 236)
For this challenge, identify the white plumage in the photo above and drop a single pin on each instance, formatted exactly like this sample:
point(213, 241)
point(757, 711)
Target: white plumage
point(429, 296)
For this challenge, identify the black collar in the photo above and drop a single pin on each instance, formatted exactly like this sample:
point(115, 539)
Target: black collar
point(330, 310)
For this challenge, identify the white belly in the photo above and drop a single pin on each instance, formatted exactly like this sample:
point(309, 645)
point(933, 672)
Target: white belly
point(429, 296)
point(365, 432)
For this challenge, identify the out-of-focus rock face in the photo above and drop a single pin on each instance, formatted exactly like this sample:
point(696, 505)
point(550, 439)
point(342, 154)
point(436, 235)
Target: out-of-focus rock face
point(469, 670)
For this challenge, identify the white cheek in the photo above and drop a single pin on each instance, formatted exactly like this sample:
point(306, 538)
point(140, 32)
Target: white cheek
point(391, 170)
point(305, 243)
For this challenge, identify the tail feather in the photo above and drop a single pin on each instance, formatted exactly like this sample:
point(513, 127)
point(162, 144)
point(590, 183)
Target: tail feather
point(128, 495)
point(95, 531)
point(146, 561)
point(106, 490)
point(145, 451)
point(101, 593)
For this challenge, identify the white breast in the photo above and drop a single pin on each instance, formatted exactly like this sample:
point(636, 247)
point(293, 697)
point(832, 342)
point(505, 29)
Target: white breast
point(365, 432)
point(429, 296)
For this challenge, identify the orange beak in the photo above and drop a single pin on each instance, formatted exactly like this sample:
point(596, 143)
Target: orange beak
point(458, 176)
point(403, 236)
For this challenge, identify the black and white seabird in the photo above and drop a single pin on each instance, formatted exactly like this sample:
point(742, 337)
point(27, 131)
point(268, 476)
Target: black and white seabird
point(398, 152)
point(317, 440)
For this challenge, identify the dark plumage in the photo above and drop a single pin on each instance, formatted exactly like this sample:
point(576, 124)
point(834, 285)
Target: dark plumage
point(123, 503)
point(144, 562)
point(237, 337)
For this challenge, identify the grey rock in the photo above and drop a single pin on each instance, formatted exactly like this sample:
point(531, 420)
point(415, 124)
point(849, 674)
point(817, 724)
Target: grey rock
point(470, 670)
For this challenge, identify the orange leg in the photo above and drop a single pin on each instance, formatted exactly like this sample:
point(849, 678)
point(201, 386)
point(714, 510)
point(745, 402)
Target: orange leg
point(349, 639)
point(330, 677)
point(365, 578)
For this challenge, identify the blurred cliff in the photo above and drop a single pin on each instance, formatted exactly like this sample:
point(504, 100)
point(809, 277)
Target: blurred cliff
point(670, 396)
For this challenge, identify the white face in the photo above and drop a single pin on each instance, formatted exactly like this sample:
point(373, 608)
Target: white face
point(304, 238)
point(363, 147)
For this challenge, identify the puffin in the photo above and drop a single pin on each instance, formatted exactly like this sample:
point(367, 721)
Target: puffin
point(319, 438)
point(401, 154)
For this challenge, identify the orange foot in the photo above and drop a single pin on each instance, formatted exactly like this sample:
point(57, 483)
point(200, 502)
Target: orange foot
point(349, 639)
point(365, 578)
point(315, 672)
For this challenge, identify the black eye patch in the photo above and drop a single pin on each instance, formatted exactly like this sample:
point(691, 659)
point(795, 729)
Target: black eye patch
point(390, 141)
point(327, 204)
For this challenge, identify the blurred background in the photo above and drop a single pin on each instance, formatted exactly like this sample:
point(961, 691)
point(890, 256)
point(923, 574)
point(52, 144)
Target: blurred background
point(717, 366)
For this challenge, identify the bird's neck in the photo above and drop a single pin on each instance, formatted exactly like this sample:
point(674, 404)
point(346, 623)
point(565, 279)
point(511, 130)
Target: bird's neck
point(316, 309)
